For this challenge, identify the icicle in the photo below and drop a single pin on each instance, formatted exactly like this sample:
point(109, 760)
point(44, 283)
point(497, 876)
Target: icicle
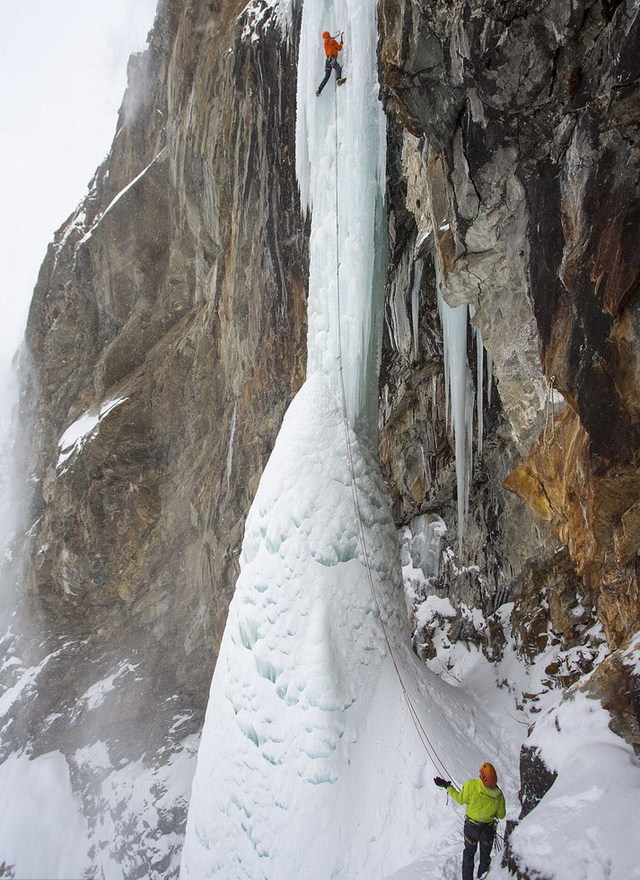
point(460, 394)
point(479, 381)
point(415, 307)
point(489, 378)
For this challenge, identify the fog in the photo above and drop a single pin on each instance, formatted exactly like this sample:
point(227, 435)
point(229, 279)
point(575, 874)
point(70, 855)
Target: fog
point(63, 73)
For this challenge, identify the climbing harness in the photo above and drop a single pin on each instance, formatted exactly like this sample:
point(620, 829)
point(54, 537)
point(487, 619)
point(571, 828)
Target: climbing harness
point(422, 734)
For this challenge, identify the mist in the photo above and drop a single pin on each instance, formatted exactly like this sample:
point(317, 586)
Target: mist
point(63, 68)
point(64, 73)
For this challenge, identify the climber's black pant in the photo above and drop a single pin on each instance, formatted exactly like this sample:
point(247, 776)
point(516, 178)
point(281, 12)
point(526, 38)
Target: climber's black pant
point(330, 63)
point(476, 833)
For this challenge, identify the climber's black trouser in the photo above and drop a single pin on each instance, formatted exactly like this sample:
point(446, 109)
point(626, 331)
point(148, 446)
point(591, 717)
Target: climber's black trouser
point(475, 833)
point(330, 64)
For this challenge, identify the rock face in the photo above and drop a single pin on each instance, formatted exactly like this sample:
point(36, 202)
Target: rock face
point(167, 336)
point(165, 339)
point(518, 152)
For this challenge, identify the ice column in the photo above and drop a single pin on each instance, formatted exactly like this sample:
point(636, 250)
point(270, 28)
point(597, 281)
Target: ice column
point(340, 163)
point(480, 381)
point(460, 396)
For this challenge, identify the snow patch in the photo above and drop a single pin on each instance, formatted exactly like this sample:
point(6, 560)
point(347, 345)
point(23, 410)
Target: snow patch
point(114, 201)
point(84, 428)
point(94, 696)
point(260, 14)
point(141, 799)
point(585, 827)
point(25, 682)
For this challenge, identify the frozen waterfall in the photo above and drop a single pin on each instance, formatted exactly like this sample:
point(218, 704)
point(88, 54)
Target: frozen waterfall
point(293, 778)
point(460, 397)
point(340, 163)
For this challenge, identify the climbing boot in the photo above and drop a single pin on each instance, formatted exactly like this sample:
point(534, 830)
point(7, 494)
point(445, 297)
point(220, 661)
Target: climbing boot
point(342, 80)
point(318, 92)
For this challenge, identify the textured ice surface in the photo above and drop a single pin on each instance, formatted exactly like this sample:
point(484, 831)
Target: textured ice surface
point(340, 163)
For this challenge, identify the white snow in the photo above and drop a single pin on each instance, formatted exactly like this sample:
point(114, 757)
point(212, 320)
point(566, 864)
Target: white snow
point(26, 680)
point(136, 801)
point(71, 820)
point(586, 825)
point(294, 775)
point(44, 835)
point(632, 654)
point(84, 428)
point(94, 696)
point(258, 15)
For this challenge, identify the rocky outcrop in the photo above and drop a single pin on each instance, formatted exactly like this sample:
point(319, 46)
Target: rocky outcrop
point(521, 124)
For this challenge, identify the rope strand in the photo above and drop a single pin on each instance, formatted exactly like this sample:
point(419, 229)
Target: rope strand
point(422, 734)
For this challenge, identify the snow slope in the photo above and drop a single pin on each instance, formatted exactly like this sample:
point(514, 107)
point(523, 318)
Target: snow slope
point(310, 764)
point(87, 814)
point(41, 803)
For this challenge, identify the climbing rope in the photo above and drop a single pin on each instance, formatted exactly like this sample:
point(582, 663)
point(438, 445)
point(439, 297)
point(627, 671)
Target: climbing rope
point(428, 746)
point(422, 734)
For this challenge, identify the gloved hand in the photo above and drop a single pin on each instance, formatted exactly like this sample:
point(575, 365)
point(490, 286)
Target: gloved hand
point(442, 783)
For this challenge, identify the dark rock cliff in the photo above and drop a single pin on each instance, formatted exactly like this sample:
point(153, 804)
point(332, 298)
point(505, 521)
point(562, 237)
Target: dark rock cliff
point(167, 336)
point(518, 149)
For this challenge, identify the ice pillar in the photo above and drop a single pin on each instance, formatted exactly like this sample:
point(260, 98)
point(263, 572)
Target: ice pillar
point(340, 163)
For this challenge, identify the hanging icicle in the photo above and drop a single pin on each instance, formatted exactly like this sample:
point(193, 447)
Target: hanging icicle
point(415, 308)
point(479, 382)
point(460, 398)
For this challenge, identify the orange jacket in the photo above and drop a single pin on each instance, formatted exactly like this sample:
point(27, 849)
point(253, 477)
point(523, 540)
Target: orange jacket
point(331, 46)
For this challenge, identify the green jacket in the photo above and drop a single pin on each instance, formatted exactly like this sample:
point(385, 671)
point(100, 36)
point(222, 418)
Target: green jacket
point(483, 804)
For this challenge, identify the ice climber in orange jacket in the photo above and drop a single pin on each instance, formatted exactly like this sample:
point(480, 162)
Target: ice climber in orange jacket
point(331, 49)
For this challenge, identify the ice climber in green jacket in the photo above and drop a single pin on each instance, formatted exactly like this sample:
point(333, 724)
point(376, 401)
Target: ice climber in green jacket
point(485, 805)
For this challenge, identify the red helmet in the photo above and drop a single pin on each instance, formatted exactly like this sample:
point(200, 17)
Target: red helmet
point(488, 775)
point(325, 35)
